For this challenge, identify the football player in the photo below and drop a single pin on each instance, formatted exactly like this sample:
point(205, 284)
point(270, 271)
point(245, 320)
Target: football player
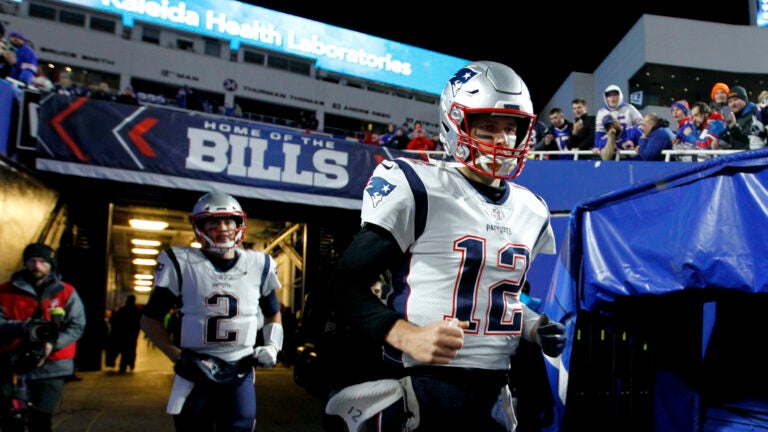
point(458, 239)
point(223, 292)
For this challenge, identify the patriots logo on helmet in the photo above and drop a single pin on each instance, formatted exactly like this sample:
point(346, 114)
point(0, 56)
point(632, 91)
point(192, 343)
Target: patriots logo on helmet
point(378, 188)
point(460, 78)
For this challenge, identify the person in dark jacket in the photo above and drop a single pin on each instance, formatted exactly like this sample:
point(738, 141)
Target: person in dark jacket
point(41, 320)
point(125, 326)
point(583, 131)
point(740, 121)
point(400, 140)
point(656, 137)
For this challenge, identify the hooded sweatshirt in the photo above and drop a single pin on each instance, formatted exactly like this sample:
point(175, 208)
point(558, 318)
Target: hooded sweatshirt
point(623, 113)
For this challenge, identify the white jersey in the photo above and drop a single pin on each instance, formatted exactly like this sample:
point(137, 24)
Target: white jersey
point(220, 310)
point(468, 256)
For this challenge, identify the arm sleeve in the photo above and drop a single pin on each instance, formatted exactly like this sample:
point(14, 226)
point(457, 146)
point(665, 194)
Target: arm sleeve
point(608, 148)
point(369, 255)
point(160, 302)
point(269, 304)
point(650, 148)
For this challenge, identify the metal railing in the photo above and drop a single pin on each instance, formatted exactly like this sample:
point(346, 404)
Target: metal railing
point(695, 155)
point(687, 155)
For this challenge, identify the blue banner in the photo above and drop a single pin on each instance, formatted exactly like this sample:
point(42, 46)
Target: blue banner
point(170, 148)
point(8, 94)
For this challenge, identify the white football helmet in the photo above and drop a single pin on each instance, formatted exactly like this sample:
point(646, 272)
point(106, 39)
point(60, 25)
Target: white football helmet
point(483, 87)
point(217, 205)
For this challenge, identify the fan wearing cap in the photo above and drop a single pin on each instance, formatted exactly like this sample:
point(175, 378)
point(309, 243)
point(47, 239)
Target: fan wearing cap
point(741, 121)
point(685, 135)
point(616, 137)
point(41, 319)
point(20, 58)
point(719, 98)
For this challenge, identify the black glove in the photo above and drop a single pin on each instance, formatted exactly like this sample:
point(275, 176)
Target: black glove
point(551, 336)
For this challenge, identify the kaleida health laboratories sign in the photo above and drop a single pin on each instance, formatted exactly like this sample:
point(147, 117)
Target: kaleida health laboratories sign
point(333, 48)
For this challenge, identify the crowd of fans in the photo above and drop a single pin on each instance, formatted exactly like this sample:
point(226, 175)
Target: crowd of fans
point(729, 121)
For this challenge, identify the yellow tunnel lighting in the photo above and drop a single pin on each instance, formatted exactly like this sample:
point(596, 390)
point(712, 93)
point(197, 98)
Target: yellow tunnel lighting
point(145, 251)
point(151, 225)
point(143, 242)
point(145, 261)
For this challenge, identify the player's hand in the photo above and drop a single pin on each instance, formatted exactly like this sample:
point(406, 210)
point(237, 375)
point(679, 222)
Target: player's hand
point(48, 351)
point(551, 335)
point(436, 343)
point(266, 356)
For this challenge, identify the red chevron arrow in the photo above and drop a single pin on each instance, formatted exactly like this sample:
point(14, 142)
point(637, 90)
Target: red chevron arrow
point(136, 132)
point(56, 123)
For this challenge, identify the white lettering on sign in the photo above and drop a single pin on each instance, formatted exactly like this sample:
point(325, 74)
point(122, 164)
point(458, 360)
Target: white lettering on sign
point(245, 155)
point(227, 27)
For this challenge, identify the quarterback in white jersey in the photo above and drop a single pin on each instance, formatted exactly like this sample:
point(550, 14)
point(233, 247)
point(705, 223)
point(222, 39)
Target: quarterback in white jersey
point(468, 254)
point(222, 293)
point(457, 239)
point(220, 316)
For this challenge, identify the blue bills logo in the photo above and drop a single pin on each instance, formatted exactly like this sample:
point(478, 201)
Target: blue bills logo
point(461, 78)
point(378, 188)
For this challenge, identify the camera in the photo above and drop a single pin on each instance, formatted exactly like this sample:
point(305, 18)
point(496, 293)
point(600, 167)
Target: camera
point(32, 349)
point(42, 331)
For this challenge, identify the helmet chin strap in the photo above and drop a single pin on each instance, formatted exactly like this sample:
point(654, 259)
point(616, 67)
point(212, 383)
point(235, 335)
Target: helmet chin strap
point(219, 248)
point(218, 251)
point(504, 165)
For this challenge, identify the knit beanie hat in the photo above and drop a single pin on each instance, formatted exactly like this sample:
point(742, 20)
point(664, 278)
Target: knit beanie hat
point(683, 105)
point(719, 86)
point(738, 92)
point(40, 250)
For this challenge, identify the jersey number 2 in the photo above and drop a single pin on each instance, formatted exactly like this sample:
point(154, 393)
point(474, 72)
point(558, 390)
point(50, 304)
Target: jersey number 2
point(213, 324)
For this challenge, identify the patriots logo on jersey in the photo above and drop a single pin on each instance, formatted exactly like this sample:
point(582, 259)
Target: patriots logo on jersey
point(461, 78)
point(378, 188)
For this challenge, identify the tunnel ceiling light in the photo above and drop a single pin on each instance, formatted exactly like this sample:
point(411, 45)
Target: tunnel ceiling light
point(143, 282)
point(140, 288)
point(144, 276)
point(145, 261)
point(145, 251)
point(151, 225)
point(196, 245)
point(144, 242)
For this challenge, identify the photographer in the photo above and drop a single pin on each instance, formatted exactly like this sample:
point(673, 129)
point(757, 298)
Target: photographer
point(41, 319)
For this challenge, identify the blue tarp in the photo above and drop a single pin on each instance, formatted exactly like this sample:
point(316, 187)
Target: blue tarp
point(700, 228)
